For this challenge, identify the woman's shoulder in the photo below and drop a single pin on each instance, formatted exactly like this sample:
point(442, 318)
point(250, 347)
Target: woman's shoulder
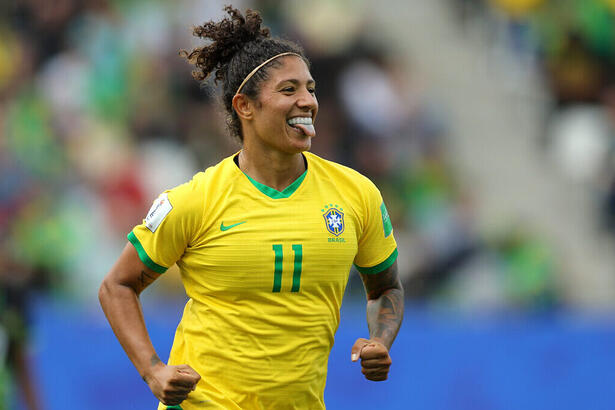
point(218, 173)
point(340, 174)
point(203, 182)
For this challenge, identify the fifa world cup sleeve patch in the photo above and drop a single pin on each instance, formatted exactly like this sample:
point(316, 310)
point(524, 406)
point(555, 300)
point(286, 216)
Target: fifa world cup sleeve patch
point(386, 221)
point(159, 210)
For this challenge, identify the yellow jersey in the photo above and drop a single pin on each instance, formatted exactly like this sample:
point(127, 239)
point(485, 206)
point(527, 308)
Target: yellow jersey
point(265, 272)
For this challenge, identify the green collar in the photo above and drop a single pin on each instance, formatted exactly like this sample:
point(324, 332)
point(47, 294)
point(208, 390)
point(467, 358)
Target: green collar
point(271, 192)
point(274, 193)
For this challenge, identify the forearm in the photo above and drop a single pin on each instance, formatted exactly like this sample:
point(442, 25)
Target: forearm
point(384, 315)
point(122, 307)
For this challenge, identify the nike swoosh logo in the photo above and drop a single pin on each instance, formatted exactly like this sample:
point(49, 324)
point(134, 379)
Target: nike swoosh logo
point(226, 228)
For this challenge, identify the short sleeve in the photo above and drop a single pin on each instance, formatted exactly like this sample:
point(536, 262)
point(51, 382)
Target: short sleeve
point(169, 226)
point(377, 249)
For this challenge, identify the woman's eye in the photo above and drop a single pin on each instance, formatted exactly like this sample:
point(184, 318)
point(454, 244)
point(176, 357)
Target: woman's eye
point(288, 89)
point(312, 90)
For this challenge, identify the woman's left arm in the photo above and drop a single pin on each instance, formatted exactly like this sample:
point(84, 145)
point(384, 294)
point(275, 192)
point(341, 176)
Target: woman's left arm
point(385, 311)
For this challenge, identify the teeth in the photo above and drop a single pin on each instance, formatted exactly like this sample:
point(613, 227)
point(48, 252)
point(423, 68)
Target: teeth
point(300, 120)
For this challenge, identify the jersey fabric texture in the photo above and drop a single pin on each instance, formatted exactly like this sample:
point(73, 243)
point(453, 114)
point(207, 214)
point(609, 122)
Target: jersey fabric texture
point(265, 272)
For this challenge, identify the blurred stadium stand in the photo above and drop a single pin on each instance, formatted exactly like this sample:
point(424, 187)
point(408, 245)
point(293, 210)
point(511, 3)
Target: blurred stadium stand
point(487, 125)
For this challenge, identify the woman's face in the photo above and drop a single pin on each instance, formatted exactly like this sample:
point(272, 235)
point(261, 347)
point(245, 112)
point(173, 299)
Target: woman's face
point(286, 107)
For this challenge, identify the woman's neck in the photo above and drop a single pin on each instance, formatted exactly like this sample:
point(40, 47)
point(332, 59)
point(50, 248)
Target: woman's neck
point(274, 169)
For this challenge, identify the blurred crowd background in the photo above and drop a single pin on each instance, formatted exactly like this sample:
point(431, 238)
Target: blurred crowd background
point(489, 127)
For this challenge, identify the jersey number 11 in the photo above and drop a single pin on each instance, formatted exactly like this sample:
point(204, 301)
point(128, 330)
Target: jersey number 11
point(277, 272)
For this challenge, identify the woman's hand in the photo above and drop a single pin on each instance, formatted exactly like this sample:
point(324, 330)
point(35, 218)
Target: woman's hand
point(172, 384)
point(375, 359)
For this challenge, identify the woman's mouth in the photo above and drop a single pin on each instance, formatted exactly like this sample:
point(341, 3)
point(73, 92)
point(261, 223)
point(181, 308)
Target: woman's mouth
point(304, 124)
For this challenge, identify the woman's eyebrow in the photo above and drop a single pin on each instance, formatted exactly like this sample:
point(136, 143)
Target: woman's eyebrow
point(295, 81)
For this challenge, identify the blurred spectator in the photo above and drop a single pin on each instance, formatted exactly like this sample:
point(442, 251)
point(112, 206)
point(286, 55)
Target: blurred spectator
point(15, 368)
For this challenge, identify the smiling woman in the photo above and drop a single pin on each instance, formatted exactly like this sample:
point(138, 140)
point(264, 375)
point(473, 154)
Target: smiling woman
point(279, 123)
point(264, 241)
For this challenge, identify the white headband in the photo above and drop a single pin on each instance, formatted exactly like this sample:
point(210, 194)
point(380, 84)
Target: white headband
point(288, 53)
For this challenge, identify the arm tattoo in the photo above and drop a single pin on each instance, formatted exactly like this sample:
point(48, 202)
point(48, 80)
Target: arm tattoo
point(385, 304)
point(154, 360)
point(145, 279)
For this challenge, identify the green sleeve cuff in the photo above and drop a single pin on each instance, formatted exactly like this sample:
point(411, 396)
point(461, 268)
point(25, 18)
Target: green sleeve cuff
point(143, 255)
point(381, 266)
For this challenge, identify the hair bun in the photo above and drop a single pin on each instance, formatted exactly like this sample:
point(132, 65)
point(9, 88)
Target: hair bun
point(227, 36)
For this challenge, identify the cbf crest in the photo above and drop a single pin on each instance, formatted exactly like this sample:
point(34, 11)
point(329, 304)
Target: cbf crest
point(334, 219)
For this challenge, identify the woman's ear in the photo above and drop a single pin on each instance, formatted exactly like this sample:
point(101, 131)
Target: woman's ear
point(243, 106)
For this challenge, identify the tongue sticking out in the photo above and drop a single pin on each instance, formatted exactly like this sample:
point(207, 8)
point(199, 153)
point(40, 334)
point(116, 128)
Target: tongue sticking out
point(308, 129)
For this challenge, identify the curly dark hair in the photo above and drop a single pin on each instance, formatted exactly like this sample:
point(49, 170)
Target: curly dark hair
point(237, 45)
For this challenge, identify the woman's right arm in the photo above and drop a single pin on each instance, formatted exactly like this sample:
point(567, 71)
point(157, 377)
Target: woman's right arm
point(119, 298)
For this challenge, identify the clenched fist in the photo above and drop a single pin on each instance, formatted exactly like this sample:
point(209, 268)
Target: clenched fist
point(375, 359)
point(172, 384)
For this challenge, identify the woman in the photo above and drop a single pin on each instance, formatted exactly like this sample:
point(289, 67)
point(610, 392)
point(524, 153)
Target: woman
point(264, 241)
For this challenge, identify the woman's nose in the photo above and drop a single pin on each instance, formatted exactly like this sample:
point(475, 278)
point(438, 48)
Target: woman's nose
point(307, 99)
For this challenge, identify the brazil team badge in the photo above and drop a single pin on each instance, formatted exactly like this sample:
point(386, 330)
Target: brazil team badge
point(334, 219)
